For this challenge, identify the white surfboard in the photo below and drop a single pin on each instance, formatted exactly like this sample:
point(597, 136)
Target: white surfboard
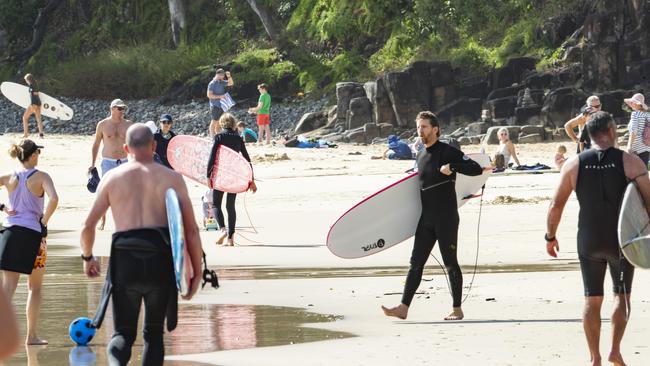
point(390, 216)
point(634, 228)
point(50, 107)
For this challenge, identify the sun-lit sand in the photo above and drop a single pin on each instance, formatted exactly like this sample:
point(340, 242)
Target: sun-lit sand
point(524, 308)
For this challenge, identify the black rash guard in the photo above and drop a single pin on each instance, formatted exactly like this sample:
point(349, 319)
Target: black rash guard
point(438, 192)
point(600, 187)
point(439, 219)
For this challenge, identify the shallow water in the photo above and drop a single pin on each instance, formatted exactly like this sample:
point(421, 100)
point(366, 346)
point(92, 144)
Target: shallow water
point(69, 294)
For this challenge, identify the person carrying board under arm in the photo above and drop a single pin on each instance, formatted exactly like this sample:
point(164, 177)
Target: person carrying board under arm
point(599, 177)
point(437, 165)
point(140, 267)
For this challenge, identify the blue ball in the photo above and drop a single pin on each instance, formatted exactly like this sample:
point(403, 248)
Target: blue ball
point(81, 331)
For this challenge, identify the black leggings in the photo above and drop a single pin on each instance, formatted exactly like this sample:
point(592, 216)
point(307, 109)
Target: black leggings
point(217, 197)
point(446, 233)
point(139, 276)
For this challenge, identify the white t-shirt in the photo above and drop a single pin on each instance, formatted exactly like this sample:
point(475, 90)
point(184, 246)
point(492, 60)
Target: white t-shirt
point(637, 125)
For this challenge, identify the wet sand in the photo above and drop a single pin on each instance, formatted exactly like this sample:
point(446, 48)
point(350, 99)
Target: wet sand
point(524, 307)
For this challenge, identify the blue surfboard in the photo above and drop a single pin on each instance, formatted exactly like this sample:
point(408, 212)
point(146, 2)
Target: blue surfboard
point(182, 264)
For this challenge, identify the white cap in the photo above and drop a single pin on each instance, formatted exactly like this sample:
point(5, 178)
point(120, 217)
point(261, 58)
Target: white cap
point(118, 103)
point(152, 126)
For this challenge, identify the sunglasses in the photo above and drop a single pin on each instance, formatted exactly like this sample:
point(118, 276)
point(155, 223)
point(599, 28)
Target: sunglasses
point(166, 122)
point(120, 108)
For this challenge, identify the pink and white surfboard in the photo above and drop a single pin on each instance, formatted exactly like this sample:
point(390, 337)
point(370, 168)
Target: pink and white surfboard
point(189, 156)
point(390, 216)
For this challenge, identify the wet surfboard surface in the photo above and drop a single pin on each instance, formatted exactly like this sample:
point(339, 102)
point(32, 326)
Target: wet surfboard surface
point(182, 264)
point(390, 215)
point(50, 106)
point(634, 228)
point(189, 156)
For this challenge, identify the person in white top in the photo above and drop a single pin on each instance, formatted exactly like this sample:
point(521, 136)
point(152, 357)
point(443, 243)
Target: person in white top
point(638, 120)
point(506, 147)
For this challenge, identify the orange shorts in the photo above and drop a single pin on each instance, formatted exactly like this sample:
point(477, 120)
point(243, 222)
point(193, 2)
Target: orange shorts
point(263, 119)
point(41, 258)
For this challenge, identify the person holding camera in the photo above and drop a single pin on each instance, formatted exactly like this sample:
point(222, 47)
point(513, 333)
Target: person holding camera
point(582, 138)
point(216, 92)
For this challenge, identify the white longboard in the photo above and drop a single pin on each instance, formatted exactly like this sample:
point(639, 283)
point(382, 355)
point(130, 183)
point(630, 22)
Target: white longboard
point(390, 216)
point(50, 107)
point(634, 228)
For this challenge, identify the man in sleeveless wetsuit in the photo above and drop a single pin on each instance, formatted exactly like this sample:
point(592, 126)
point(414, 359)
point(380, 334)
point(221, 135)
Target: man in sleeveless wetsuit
point(437, 167)
point(599, 177)
point(141, 265)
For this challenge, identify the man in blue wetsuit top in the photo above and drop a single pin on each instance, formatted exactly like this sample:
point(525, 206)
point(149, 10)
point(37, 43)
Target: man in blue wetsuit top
point(437, 164)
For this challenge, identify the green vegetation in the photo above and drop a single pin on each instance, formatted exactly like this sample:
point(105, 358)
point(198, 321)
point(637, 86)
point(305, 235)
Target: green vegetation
point(104, 46)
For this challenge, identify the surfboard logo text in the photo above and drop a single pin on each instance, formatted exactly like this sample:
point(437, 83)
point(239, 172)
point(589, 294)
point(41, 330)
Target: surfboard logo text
point(376, 245)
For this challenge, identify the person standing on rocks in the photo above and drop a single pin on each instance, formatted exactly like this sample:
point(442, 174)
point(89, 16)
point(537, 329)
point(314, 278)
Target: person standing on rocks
point(111, 131)
point(216, 92)
point(263, 110)
point(140, 267)
point(438, 164)
point(33, 108)
point(579, 121)
point(599, 176)
point(162, 137)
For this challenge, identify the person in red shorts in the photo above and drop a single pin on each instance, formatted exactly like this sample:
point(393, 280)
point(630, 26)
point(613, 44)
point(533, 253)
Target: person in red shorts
point(263, 109)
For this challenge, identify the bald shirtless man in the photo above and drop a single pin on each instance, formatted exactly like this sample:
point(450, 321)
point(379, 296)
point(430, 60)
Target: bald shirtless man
point(140, 266)
point(112, 132)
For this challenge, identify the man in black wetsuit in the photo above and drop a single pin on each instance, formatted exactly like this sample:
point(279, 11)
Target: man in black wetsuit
point(599, 177)
point(140, 268)
point(437, 167)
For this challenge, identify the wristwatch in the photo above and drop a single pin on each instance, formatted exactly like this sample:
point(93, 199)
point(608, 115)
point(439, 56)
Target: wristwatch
point(547, 238)
point(88, 258)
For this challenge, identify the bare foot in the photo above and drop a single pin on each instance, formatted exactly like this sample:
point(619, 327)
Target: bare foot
point(35, 341)
point(401, 311)
point(231, 242)
point(222, 238)
point(456, 314)
point(616, 358)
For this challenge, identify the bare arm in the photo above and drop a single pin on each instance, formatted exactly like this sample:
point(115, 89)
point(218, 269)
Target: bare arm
point(513, 153)
point(570, 125)
point(9, 336)
point(98, 209)
point(568, 177)
point(98, 140)
point(231, 82)
point(192, 238)
point(53, 199)
point(256, 108)
point(630, 140)
point(211, 95)
point(636, 171)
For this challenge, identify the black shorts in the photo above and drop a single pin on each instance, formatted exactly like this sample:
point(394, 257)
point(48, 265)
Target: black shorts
point(215, 112)
point(594, 259)
point(18, 249)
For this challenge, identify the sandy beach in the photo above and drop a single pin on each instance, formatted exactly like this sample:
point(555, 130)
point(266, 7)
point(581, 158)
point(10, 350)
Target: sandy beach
point(524, 307)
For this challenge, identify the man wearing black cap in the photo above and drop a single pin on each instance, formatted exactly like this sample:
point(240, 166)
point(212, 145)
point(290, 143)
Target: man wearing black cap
point(216, 92)
point(162, 137)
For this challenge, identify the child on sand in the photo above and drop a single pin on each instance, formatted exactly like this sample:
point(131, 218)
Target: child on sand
point(559, 156)
point(246, 133)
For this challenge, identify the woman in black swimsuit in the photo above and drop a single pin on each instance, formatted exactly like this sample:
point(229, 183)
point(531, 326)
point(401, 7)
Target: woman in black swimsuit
point(34, 107)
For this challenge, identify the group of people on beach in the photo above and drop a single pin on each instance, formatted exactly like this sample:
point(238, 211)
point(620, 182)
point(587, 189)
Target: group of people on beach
point(140, 269)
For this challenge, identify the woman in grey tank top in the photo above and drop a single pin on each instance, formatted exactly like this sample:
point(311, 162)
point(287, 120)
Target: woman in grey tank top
point(22, 241)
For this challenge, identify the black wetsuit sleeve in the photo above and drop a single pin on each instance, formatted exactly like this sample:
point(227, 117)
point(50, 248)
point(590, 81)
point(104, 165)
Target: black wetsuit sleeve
point(213, 154)
point(461, 163)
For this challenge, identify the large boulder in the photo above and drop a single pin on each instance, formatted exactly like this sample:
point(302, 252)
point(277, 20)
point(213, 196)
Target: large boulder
point(441, 82)
point(502, 107)
point(531, 139)
point(311, 121)
point(359, 112)
point(537, 96)
point(382, 109)
point(612, 102)
point(562, 104)
point(478, 128)
point(371, 131)
point(532, 130)
point(512, 72)
point(473, 88)
point(405, 97)
point(505, 92)
point(462, 110)
point(528, 115)
point(345, 92)
point(386, 129)
point(539, 80)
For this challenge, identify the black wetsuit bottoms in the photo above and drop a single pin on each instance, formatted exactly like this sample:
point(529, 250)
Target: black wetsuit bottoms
point(143, 271)
point(429, 230)
point(594, 257)
point(217, 198)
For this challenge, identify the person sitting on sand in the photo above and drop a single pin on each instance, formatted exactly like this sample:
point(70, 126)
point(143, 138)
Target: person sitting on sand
point(246, 133)
point(506, 148)
point(22, 247)
point(559, 156)
point(398, 149)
